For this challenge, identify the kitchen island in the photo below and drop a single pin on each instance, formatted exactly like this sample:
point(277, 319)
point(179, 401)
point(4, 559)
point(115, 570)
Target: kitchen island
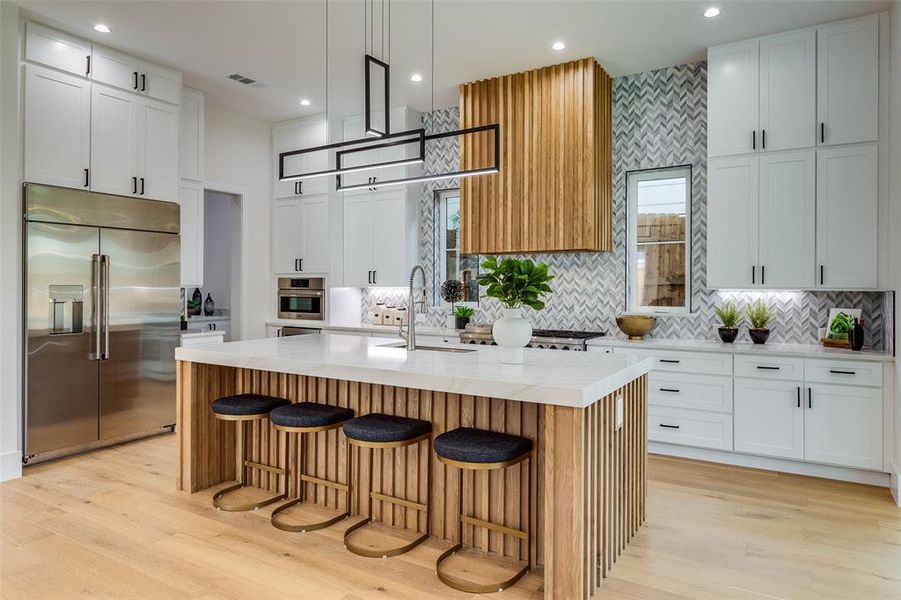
point(585, 413)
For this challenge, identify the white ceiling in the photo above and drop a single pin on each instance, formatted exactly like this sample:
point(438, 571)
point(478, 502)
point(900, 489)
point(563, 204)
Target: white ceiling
point(282, 43)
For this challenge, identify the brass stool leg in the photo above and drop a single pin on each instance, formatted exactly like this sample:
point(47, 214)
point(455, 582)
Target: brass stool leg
point(463, 585)
point(219, 499)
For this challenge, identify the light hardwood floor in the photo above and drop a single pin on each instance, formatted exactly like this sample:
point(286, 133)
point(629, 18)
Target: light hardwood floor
point(111, 525)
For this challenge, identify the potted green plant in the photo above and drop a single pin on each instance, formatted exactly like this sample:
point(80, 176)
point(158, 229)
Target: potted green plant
point(760, 316)
point(516, 283)
point(729, 319)
point(451, 292)
point(462, 315)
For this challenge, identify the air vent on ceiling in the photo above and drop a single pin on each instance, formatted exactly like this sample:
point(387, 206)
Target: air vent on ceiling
point(240, 78)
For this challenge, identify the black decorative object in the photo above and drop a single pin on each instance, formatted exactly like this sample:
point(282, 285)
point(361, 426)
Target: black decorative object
point(728, 334)
point(195, 304)
point(461, 322)
point(209, 307)
point(759, 336)
point(369, 62)
point(855, 336)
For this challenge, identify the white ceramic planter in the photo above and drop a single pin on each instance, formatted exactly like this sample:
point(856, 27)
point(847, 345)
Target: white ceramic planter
point(511, 333)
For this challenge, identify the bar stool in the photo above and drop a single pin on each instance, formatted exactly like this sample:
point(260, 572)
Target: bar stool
point(381, 432)
point(310, 417)
point(480, 450)
point(240, 409)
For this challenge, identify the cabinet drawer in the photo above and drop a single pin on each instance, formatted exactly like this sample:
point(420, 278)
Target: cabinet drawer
point(770, 367)
point(693, 362)
point(700, 428)
point(844, 372)
point(700, 392)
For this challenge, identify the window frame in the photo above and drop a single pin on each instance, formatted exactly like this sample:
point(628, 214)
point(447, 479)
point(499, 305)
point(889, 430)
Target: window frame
point(440, 238)
point(633, 178)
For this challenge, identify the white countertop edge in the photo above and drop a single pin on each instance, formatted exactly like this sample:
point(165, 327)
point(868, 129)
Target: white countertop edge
point(201, 334)
point(774, 349)
point(362, 327)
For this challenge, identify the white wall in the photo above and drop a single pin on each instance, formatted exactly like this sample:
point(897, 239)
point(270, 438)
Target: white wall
point(238, 154)
point(895, 216)
point(218, 212)
point(10, 247)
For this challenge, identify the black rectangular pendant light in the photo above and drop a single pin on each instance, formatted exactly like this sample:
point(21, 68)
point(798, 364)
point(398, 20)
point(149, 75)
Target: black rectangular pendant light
point(373, 65)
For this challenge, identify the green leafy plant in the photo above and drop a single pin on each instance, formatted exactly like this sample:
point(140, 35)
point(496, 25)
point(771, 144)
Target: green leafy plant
point(759, 315)
point(840, 326)
point(516, 282)
point(464, 312)
point(728, 314)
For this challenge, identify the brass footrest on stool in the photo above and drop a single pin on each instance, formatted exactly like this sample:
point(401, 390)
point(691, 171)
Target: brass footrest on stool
point(361, 551)
point(278, 523)
point(244, 506)
point(458, 583)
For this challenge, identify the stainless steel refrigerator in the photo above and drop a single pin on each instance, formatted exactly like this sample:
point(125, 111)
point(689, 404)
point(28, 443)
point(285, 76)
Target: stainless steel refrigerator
point(102, 319)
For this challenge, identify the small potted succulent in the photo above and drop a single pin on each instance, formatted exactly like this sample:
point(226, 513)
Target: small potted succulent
point(760, 316)
point(452, 292)
point(729, 317)
point(462, 314)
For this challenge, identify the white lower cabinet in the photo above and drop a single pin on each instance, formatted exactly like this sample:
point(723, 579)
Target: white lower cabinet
point(769, 418)
point(702, 428)
point(843, 426)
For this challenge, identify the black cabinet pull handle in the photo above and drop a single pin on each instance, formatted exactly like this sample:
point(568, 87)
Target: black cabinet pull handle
point(136, 79)
point(754, 140)
point(142, 186)
point(841, 372)
point(300, 187)
point(669, 360)
point(87, 178)
point(809, 398)
point(375, 277)
point(671, 390)
point(370, 277)
point(822, 132)
point(763, 138)
point(762, 274)
point(753, 274)
point(295, 188)
point(134, 185)
point(799, 396)
point(766, 368)
point(821, 274)
point(143, 82)
point(301, 264)
point(87, 70)
point(669, 426)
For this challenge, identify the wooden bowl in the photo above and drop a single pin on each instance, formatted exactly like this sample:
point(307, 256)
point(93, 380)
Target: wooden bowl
point(636, 326)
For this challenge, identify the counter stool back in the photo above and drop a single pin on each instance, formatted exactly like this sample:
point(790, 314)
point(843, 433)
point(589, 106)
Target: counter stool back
point(241, 409)
point(480, 450)
point(302, 418)
point(378, 431)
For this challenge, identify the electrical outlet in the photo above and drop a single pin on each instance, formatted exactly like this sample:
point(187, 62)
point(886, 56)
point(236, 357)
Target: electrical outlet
point(619, 412)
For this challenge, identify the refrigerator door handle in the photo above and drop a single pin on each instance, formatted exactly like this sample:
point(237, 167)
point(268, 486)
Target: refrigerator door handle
point(104, 259)
point(96, 351)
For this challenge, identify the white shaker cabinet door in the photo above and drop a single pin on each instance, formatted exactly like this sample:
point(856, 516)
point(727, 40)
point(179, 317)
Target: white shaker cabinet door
point(732, 222)
point(190, 135)
point(358, 240)
point(57, 113)
point(160, 83)
point(732, 99)
point(190, 199)
point(158, 150)
point(843, 426)
point(847, 216)
point(390, 235)
point(848, 81)
point(286, 236)
point(787, 226)
point(56, 49)
point(314, 233)
point(769, 417)
point(116, 69)
point(788, 91)
point(114, 140)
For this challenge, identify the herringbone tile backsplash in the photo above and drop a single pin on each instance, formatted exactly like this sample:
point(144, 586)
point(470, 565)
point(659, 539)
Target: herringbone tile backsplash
point(659, 120)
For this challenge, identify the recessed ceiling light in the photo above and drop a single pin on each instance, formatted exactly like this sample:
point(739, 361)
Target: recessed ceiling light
point(304, 102)
point(102, 28)
point(558, 46)
point(711, 12)
point(416, 77)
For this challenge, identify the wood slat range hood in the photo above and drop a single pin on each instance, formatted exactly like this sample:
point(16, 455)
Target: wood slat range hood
point(554, 191)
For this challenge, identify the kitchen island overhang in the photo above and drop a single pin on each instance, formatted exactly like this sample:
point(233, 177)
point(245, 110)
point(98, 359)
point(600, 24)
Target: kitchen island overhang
point(586, 414)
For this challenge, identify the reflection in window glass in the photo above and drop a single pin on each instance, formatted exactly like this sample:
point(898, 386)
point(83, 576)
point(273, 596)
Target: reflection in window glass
point(451, 264)
point(659, 239)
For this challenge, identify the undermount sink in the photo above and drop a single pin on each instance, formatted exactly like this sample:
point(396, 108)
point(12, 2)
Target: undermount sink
point(431, 348)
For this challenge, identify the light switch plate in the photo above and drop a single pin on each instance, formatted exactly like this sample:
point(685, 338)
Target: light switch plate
point(619, 412)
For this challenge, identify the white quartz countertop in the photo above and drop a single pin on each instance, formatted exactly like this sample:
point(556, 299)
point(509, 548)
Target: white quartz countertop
point(576, 379)
point(796, 350)
point(387, 330)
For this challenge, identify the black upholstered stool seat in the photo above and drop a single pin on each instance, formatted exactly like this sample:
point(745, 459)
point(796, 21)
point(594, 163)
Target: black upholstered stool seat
point(470, 445)
point(381, 428)
point(245, 405)
point(309, 414)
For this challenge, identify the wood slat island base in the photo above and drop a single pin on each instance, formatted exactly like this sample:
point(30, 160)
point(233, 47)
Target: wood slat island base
point(589, 476)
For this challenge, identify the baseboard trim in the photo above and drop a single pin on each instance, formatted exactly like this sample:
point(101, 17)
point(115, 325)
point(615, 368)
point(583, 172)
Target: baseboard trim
point(10, 465)
point(896, 484)
point(775, 464)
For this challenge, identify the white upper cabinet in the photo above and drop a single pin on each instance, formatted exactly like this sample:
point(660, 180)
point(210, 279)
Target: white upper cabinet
point(732, 99)
point(157, 150)
point(788, 91)
point(190, 198)
point(843, 426)
point(56, 49)
point(190, 135)
point(379, 229)
point(300, 235)
point(787, 219)
point(359, 240)
point(848, 81)
point(401, 119)
point(114, 140)
point(732, 222)
point(847, 211)
point(297, 135)
point(160, 83)
point(57, 130)
point(140, 77)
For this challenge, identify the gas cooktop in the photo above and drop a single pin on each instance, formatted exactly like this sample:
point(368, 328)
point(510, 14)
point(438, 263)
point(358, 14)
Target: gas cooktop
point(555, 339)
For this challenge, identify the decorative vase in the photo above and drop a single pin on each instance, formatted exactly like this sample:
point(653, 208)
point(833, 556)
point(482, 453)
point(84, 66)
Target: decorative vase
point(759, 336)
point(512, 332)
point(195, 305)
point(855, 336)
point(728, 334)
point(461, 322)
point(209, 307)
